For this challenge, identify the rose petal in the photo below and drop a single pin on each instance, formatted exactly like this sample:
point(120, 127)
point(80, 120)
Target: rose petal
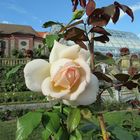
point(48, 90)
point(84, 54)
point(57, 48)
point(62, 51)
point(88, 96)
point(85, 67)
point(35, 72)
point(71, 52)
point(57, 65)
point(75, 95)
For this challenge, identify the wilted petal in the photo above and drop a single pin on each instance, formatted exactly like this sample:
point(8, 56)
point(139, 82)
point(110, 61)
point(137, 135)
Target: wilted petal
point(35, 72)
point(88, 96)
point(48, 89)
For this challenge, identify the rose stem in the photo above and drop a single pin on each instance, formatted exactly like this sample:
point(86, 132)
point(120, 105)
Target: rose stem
point(103, 127)
point(90, 47)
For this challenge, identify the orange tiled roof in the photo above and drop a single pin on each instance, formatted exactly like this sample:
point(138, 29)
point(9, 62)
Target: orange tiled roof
point(42, 34)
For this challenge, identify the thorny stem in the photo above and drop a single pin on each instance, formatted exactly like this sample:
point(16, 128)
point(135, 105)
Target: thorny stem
point(103, 127)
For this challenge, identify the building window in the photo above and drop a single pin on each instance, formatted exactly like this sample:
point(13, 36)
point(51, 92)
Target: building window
point(23, 43)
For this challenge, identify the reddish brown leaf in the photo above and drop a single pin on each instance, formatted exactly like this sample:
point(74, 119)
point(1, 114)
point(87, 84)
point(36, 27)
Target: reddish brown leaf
point(102, 76)
point(75, 4)
point(75, 34)
point(126, 9)
point(83, 3)
point(122, 77)
point(130, 85)
point(98, 18)
point(90, 7)
point(109, 10)
point(116, 15)
point(102, 38)
point(136, 77)
point(81, 44)
point(100, 30)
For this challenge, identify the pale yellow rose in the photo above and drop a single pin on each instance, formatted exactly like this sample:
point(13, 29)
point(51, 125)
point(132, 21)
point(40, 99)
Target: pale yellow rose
point(66, 76)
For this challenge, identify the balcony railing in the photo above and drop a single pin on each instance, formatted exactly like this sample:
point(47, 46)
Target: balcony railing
point(13, 61)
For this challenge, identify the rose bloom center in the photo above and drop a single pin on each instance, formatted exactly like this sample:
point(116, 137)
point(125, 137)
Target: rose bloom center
point(67, 77)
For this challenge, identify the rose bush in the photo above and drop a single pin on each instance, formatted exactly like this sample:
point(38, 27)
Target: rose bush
point(66, 76)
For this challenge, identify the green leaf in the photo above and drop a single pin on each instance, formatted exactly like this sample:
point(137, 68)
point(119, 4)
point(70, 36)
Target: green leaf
point(49, 40)
point(61, 134)
point(73, 119)
point(51, 121)
point(13, 71)
point(46, 134)
point(50, 23)
point(77, 14)
point(26, 124)
point(122, 134)
point(110, 91)
point(76, 135)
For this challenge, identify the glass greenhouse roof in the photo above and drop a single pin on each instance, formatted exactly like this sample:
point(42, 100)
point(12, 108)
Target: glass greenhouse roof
point(119, 39)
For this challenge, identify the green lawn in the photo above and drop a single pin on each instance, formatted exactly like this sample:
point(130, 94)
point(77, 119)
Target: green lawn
point(8, 128)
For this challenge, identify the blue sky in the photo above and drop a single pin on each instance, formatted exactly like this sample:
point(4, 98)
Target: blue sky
point(36, 12)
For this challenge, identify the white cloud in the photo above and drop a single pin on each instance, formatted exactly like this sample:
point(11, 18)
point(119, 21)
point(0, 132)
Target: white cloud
point(5, 22)
point(139, 35)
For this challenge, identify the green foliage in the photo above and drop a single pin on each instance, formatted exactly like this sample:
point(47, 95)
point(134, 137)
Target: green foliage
point(20, 97)
point(13, 71)
point(26, 124)
point(120, 134)
point(51, 23)
point(51, 121)
point(49, 40)
point(13, 83)
point(110, 91)
point(73, 119)
point(78, 14)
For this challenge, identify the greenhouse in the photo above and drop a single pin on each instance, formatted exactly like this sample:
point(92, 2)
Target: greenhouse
point(119, 39)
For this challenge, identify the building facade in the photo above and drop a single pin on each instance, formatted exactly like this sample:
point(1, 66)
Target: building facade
point(19, 37)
